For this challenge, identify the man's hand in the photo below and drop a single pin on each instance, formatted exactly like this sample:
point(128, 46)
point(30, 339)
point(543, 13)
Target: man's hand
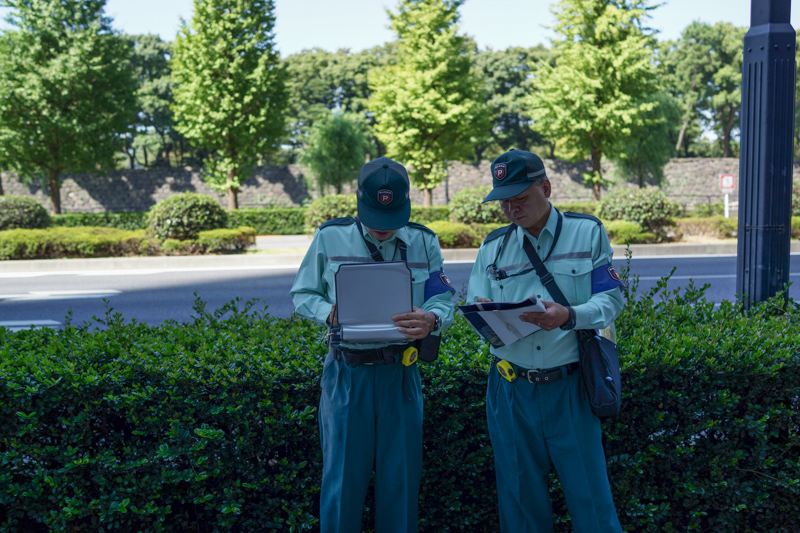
point(415, 325)
point(555, 315)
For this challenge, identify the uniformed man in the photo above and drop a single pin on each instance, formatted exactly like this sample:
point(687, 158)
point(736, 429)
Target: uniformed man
point(542, 418)
point(370, 411)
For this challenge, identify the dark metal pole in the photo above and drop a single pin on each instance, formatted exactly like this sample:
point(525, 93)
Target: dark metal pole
point(765, 160)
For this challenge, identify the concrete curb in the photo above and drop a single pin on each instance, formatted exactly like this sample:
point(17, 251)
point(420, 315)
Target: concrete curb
point(287, 252)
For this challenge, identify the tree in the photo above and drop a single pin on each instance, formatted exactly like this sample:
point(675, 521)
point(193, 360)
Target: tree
point(642, 155)
point(427, 106)
point(66, 91)
point(153, 140)
point(335, 151)
point(600, 83)
point(726, 82)
point(229, 88)
point(507, 76)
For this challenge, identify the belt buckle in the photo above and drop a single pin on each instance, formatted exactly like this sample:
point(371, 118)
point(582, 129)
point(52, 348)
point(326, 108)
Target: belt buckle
point(530, 374)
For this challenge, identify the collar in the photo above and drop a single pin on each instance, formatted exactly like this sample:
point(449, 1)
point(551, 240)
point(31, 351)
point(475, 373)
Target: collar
point(549, 227)
point(401, 233)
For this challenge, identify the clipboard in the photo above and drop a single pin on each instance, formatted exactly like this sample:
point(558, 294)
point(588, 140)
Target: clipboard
point(368, 295)
point(499, 323)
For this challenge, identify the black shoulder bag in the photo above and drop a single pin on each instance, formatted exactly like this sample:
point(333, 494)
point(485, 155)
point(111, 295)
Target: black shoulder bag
point(599, 358)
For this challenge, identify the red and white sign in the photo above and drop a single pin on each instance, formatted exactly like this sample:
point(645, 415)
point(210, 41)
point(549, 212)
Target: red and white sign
point(726, 183)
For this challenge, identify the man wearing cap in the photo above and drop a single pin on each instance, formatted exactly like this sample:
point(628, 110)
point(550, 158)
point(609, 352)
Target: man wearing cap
point(370, 412)
point(538, 415)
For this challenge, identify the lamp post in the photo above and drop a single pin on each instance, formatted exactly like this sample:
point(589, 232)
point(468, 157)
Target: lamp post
point(765, 160)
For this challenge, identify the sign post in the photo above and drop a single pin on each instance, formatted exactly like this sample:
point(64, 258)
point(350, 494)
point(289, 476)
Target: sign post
point(727, 184)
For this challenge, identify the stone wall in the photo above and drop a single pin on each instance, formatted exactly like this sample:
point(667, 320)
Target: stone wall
point(688, 181)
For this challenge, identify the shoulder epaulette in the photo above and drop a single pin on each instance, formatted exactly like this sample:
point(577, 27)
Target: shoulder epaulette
point(346, 221)
point(499, 232)
point(584, 216)
point(421, 227)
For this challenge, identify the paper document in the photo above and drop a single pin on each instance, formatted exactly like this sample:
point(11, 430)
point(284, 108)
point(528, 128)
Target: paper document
point(499, 323)
point(368, 295)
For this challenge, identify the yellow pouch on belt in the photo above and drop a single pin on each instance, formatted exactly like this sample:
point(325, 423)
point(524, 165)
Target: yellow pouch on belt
point(410, 355)
point(506, 370)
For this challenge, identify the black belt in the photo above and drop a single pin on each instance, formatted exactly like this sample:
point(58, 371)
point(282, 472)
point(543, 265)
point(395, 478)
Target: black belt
point(388, 355)
point(544, 375)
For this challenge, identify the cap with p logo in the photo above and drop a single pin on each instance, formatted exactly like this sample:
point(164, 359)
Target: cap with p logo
point(383, 195)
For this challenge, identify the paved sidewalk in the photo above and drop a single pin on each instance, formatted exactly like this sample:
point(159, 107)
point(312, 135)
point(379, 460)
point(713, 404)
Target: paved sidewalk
point(286, 251)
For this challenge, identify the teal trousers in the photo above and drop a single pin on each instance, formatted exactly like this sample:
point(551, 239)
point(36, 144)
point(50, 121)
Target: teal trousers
point(534, 428)
point(370, 418)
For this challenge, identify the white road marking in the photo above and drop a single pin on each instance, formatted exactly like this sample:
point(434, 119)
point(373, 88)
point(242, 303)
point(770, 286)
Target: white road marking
point(704, 276)
point(18, 325)
point(59, 295)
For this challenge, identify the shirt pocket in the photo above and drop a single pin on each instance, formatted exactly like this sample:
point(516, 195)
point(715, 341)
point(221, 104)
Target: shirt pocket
point(574, 278)
point(419, 276)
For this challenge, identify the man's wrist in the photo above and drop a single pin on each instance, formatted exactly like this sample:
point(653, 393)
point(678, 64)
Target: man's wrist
point(436, 324)
point(570, 323)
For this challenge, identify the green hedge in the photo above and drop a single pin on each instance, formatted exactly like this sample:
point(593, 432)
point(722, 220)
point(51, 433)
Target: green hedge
point(59, 242)
point(120, 220)
point(212, 425)
point(21, 212)
point(455, 235)
point(626, 232)
point(716, 226)
point(269, 220)
point(796, 227)
point(182, 216)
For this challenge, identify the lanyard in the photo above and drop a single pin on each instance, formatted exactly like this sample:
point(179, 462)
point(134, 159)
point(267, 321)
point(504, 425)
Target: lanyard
point(499, 274)
point(374, 253)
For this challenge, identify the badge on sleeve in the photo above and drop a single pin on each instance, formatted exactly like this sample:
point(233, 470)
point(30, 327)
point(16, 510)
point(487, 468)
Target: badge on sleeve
point(605, 278)
point(438, 283)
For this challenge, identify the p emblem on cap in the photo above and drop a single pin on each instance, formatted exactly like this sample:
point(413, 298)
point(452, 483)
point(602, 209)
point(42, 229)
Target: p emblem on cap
point(500, 171)
point(385, 196)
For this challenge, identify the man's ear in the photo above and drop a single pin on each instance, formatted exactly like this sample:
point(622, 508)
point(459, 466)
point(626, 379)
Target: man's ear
point(546, 187)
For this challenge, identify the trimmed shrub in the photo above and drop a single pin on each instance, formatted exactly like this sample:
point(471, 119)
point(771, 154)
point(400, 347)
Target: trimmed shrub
point(327, 207)
point(710, 209)
point(119, 220)
point(796, 227)
point(467, 207)
point(485, 229)
point(715, 226)
point(426, 215)
point(588, 208)
point(649, 208)
point(60, 242)
point(796, 199)
point(212, 425)
point(184, 215)
point(455, 235)
point(20, 212)
point(626, 232)
point(226, 241)
point(269, 220)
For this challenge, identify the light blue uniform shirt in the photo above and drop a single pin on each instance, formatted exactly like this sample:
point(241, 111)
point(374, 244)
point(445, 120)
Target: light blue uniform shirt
point(314, 291)
point(581, 254)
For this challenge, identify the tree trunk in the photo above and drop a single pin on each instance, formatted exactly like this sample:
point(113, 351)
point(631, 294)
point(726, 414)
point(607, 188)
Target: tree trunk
point(233, 198)
point(726, 134)
point(54, 188)
point(1, 185)
point(144, 150)
point(681, 133)
point(551, 147)
point(597, 174)
point(428, 201)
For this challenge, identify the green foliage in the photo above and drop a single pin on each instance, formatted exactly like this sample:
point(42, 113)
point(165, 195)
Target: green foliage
point(709, 209)
point(455, 234)
point(578, 103)
point(153, 140)
point(587, 208)
point(269, 220)
point(106, 219)
point(336, 149)
point(213, 424)
point(426, 215)
point(796, 227)
point(229, 89)
point(716, 226)
point(649, 208)
point(226, 240)
point(22, 212)
point(58, 242)
point(796, 199)
point(507, 76)
point(184, 215)
point(427, 106)
point(66, 90)
point(626, 232)
point(642, 155)
point(328, 207)
point(467, 207)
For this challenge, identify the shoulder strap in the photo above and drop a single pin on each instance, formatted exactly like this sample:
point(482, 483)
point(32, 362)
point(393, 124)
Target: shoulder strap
point(544, 275)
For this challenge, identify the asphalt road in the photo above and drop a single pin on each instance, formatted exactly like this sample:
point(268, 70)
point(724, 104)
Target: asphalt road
point(154, 296)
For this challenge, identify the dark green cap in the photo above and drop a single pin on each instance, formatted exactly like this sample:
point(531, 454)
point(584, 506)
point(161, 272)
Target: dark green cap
point(383, 202)
point(513, 172)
